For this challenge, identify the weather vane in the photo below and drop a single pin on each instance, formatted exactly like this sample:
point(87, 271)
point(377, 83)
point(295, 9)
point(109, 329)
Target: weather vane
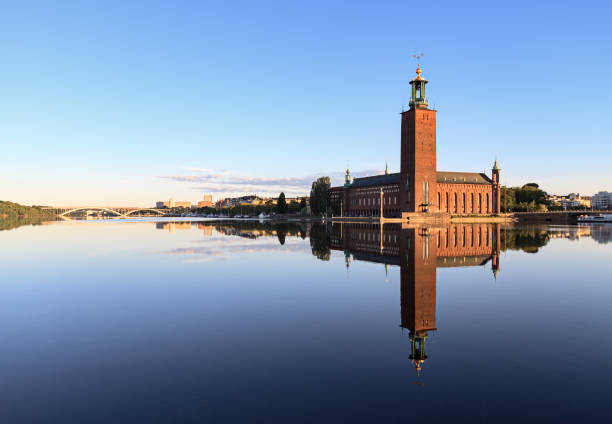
point(418, 57)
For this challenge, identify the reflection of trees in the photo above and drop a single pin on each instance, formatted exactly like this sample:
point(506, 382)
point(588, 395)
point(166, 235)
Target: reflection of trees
point(527, 240)
point(281, 233)
point(14, 222)
point(255, 229)
point(320, 242)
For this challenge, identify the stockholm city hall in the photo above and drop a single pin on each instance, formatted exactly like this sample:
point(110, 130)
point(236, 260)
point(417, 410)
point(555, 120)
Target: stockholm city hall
point(419, 191)
point(419, 252)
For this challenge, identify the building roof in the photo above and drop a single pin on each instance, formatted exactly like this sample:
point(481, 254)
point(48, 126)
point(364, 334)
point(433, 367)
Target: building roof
point(443, 177)
point(463, 178)
point(376, 180)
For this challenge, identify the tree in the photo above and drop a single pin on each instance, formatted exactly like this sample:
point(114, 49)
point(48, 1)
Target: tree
point(281, 204)
point(319, 195)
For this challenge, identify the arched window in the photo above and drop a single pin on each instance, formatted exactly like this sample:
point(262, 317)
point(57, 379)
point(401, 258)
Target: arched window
point(447, 206)
point(438, 200)
point(487, 202)
point(455, 202)
point(479, 202)
point(472, 211)
point(463, 202)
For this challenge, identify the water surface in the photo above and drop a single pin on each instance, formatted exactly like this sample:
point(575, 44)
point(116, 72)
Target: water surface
point(164, 322)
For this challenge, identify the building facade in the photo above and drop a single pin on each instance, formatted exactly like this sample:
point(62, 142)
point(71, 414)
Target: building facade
point(572, 200)
point(206, 202)
point(172, 204)
point(602, 201)
point(419, 188)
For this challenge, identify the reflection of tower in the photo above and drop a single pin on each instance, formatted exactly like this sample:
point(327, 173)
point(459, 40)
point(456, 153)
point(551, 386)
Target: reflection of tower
point(418, 289)
point(418, 252)
point(496, 250)
point(417, 350)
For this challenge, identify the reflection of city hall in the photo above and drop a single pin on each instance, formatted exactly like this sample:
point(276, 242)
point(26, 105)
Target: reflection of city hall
point(419, 191)
point(418, 252)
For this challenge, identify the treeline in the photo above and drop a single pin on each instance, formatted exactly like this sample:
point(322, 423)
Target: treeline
point(281, 207)
point(528, 198)
point(528, 240)
point(10, 210)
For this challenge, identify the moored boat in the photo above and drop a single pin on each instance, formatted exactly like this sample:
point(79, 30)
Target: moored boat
point(595, 218)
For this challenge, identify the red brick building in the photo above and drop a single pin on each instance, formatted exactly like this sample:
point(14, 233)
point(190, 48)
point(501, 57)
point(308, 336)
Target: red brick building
point(419, 188)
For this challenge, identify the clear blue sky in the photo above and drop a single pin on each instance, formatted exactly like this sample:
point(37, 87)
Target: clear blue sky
point(129, 102)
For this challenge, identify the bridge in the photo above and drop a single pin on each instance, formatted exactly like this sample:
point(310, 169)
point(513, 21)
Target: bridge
point(116, 211)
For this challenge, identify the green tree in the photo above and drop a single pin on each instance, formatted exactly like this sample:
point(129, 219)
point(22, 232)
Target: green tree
point(524, 199)
point(319, 195)
point(281, 204)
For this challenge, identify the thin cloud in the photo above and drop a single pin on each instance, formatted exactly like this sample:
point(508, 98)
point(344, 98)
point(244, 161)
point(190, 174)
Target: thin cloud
point(223, 182)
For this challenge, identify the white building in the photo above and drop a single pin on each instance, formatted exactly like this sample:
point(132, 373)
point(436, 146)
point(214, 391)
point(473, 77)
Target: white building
point(572, 200)
point(602, 201)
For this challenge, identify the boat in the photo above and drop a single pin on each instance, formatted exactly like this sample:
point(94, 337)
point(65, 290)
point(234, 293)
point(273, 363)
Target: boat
point(263, 216)
point(595, 218)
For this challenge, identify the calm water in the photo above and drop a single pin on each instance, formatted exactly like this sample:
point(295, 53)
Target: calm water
point(159, 322)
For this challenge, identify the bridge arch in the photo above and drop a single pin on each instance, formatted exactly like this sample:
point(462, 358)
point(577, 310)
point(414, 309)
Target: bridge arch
point(157, 211)
point(91, 208)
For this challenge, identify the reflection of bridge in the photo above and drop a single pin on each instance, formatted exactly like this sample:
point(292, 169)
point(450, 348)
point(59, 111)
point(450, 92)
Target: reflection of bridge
point(119, 212)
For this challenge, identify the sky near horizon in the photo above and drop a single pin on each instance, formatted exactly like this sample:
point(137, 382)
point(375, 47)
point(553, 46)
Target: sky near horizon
point(127, 103)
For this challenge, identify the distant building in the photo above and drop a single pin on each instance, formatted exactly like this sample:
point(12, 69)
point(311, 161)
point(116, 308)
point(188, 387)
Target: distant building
point(602, 201)
point(206, 202)
point(253, 200)
point(172, 204)
point(572, 200)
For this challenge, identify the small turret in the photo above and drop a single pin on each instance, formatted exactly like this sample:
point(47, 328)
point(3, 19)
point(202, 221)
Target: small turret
point(495, 173)
point(386, 168)
point(347, 178)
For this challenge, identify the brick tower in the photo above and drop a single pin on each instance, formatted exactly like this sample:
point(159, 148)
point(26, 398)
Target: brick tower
point(418, 160)
point(496, 188)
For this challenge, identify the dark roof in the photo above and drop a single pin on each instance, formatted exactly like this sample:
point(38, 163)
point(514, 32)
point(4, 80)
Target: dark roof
point(442, 177)
point(376, 180)
point(463, 178)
